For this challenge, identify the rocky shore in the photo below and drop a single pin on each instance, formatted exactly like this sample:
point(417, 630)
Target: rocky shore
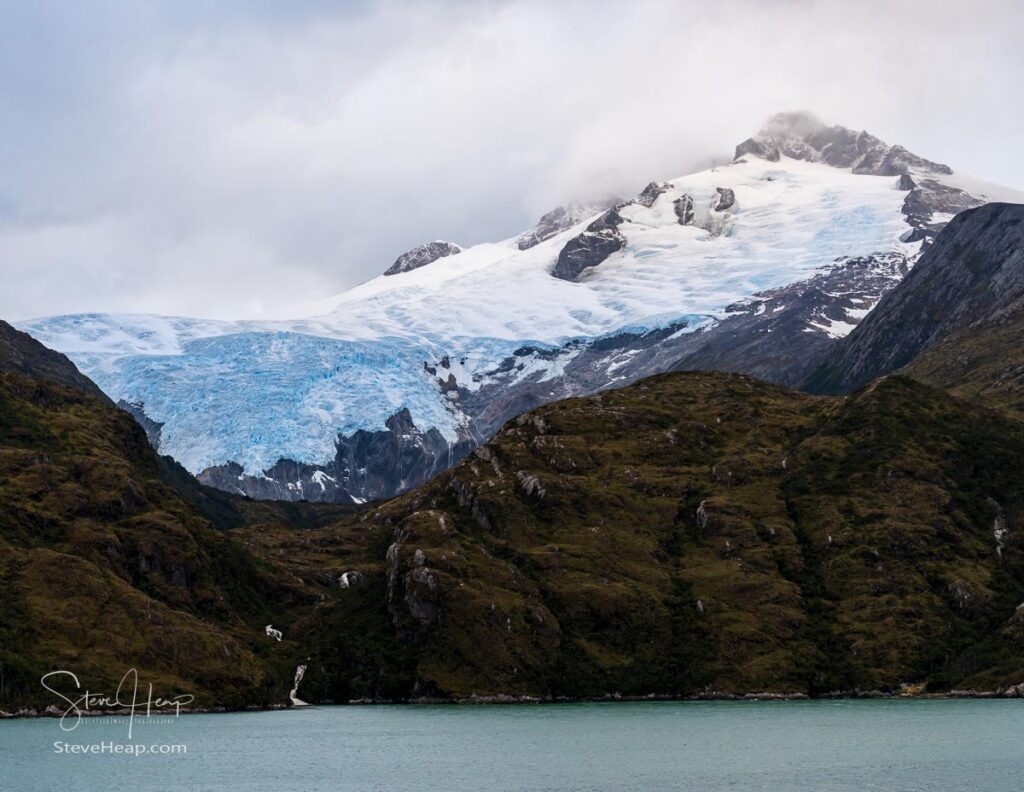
point(906, 692)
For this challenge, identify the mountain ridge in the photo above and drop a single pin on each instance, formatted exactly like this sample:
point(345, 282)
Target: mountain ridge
point(972, 275)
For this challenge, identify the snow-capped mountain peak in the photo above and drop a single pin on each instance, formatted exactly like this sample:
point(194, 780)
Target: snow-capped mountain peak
point(755, 266)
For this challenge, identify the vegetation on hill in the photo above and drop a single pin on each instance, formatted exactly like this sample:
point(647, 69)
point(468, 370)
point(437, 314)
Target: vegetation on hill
point(698, 532)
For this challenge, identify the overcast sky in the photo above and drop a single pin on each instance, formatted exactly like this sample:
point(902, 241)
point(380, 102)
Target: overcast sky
point(230, 159)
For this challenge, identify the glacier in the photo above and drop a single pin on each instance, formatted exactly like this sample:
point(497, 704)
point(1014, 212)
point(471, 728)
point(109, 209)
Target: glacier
point(257, 391)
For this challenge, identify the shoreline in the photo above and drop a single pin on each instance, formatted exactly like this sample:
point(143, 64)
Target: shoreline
point(1003, 693)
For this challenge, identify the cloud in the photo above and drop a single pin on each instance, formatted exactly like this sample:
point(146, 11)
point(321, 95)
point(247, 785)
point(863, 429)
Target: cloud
point(231, 159)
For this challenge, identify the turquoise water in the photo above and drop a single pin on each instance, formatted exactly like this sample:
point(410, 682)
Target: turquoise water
point(791, 746)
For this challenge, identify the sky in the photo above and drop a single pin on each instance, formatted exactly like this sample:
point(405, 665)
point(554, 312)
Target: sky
point(235, 159)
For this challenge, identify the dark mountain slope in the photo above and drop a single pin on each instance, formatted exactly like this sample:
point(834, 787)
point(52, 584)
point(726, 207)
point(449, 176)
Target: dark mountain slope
point(966, 285)
point(20, 352)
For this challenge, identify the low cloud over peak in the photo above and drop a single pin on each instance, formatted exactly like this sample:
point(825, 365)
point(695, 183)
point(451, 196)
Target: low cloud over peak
point(232, 160)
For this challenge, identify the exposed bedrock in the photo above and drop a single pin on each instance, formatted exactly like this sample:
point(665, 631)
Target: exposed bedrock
point(368, 465)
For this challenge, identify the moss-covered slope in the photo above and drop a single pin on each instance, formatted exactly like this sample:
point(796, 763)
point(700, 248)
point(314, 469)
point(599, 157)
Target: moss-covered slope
point(984, 363)
point(104, 566)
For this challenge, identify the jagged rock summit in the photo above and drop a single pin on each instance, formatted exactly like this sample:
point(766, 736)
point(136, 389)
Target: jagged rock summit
point(932, 196)
point(802, 136)
point(422, 255)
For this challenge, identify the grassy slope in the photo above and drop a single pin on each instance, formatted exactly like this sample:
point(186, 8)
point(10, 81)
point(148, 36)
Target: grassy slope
point(703, 531)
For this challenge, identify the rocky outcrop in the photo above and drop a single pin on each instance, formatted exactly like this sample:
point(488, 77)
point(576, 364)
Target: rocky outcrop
point(412, 588)
point(554, 222)
point(152, 428)
point(684, 209)
point(973, 273)
point(285, 480)
point(651, 192)
point(725, 199)
point(929, 205)
point(561, 219)
point(551, 223)
point(382, 463)
point(421, 256)
point(601, 239)
point(713, 216)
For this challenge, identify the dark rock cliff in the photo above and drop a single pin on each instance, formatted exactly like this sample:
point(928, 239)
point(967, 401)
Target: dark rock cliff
point(368, 465)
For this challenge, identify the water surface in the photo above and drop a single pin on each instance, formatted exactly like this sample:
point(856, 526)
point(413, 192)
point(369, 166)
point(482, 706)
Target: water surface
point(786, 746)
